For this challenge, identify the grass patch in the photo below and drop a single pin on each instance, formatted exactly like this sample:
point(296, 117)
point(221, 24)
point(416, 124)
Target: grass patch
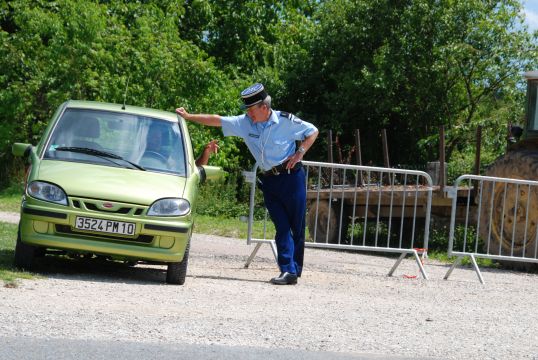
point(230, 227)
point(466, 261)
point(10, 199)
point(10, 203)
point(8, 237)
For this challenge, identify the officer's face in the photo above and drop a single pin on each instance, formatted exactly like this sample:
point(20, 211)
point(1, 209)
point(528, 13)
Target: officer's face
point(258, 113)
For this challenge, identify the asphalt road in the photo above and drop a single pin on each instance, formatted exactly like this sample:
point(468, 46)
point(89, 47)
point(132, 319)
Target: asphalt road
point(59, 349)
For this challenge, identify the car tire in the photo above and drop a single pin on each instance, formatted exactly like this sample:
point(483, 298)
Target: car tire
point(177, 272)
point(24, 253)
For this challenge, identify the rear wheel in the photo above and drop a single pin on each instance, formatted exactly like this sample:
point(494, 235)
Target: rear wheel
point(328, 227)
point(509, 213)
point(24, 253)
point(177, 272)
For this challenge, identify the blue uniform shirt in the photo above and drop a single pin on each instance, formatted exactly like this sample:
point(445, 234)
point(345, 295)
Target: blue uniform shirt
point(270, 142)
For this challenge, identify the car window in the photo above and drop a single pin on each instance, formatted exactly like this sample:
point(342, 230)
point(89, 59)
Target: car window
point(154, 144)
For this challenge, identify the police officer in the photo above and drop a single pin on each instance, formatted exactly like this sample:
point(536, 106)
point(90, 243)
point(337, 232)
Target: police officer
point(270, 136)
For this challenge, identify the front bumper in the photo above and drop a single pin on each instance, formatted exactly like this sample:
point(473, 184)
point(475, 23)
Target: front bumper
point(156, 239)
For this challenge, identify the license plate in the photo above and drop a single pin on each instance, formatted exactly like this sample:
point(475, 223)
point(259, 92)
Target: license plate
point(106, 226)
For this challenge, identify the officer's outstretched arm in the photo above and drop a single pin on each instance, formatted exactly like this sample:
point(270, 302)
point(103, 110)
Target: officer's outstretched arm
point(204, 119)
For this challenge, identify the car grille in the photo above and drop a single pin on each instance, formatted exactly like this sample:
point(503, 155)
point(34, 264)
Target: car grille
point(66, 229)
point(92, 205)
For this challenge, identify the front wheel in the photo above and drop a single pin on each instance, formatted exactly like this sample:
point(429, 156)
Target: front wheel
point(24, 253)
point(177, 272)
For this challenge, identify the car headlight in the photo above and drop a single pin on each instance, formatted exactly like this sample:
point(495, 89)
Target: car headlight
point(169, 207)
point(48, 192)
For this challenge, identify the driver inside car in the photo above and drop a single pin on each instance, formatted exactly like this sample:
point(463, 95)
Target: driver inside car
point(154, 145)
point(156, 148)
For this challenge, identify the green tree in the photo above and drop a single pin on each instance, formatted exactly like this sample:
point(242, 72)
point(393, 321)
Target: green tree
point(55, 51)
point(243, 36)
point(404, 65)
point(486, 50)
point(410, 66)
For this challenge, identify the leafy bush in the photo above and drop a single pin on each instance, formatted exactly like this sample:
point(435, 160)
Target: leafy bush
point(219, 198)
point(228, 198)
point(356, 232)
point(439, 238)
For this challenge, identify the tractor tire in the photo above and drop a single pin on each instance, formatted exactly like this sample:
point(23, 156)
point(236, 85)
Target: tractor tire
point(328, 227)
point(177, 272)
point(521, 164)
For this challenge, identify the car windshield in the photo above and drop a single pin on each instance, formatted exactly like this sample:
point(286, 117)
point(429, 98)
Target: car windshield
point(117, 139)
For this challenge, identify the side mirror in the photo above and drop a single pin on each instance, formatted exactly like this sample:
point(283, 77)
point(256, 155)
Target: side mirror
point(21, 150)
point(210, 172)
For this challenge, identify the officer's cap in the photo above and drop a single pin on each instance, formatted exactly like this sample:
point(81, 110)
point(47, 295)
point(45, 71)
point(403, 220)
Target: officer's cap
point(253, 95)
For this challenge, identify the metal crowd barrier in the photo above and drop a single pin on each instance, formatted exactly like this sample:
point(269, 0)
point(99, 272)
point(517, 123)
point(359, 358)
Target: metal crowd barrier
point(500, 221)
point(359, 208)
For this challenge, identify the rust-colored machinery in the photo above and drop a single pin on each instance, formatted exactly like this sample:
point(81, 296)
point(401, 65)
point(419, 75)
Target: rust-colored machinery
point(331, 217)
point(509, 207)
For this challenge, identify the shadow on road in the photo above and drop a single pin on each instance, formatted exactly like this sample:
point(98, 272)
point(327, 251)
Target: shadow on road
point(100, 270)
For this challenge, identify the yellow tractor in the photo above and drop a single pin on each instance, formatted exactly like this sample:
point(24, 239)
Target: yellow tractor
point(511, 206)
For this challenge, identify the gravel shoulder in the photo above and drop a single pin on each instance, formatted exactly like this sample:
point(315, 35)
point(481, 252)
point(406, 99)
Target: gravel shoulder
point(344, 303)
point(9, 217)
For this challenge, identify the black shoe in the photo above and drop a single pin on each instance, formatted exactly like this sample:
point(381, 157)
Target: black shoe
point(285, 278)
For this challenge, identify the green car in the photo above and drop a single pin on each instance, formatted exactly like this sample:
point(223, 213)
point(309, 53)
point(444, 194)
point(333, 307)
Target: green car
point(112, 181)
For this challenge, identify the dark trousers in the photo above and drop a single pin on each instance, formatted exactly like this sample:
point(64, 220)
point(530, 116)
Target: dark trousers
point(285, 198)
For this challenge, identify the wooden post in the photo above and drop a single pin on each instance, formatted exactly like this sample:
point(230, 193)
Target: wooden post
point(385, 148)
point(508, 136)
point(385, 152)
point(477, 156)
point(330, 146)
point(358, 155)
point(441, 159)
point(478, 146)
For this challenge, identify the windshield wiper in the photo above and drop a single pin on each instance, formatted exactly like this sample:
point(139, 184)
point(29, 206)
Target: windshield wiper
point(99, 153)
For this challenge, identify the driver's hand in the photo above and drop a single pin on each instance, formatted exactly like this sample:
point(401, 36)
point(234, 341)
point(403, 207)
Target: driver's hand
point(212, 147)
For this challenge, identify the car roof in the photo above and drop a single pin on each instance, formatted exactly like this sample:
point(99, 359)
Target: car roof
point(129, 109)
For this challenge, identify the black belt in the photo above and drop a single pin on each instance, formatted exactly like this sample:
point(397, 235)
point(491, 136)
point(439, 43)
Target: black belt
point(281, 169)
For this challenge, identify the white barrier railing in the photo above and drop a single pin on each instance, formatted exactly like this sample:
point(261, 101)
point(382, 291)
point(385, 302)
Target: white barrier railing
point(500, 221)
point(359, 208)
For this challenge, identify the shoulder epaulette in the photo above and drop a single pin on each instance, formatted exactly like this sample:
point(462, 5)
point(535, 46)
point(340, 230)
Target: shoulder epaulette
point(286, 114)
point(291, 117)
